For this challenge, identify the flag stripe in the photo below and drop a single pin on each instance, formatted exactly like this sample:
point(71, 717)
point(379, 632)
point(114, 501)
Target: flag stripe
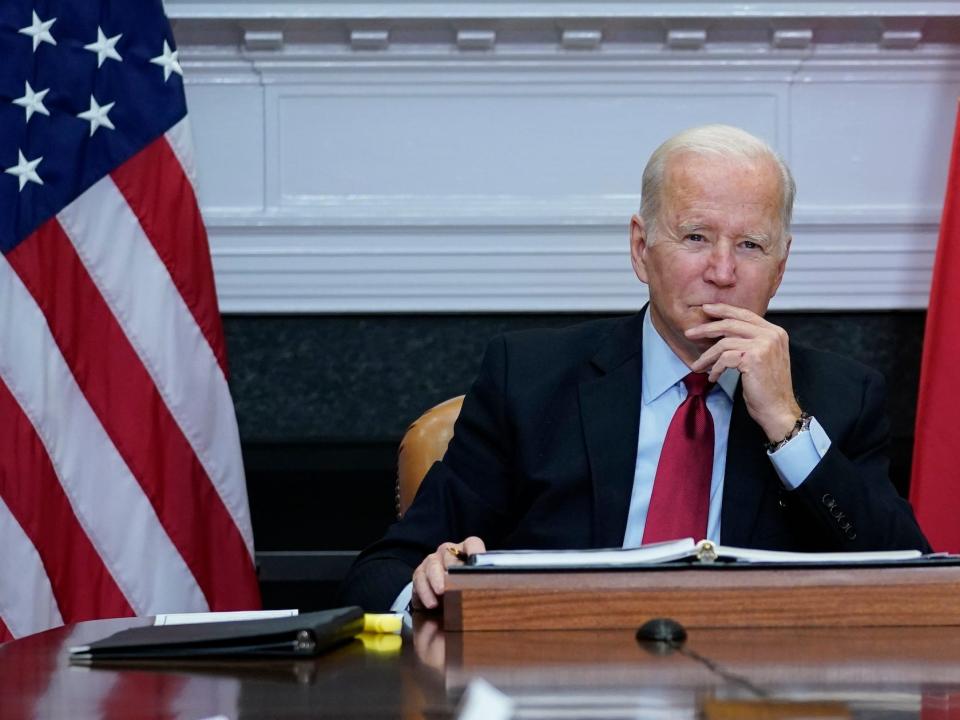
point(138, 289)
point(160, 195)
point(933, 483)
point(27, 605)
point(180, 140)
point(133, 414)
point(106, 499)
point(5, 634)
point(120, 463)
point(82, 584)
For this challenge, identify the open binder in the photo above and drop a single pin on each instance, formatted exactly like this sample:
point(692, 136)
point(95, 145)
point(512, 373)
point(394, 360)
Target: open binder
point(298, 636)
point(686, 549)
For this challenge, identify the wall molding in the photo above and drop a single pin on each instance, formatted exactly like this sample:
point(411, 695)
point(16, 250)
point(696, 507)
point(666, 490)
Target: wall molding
point(474, 157)
point(572, 9)
point(310, 265)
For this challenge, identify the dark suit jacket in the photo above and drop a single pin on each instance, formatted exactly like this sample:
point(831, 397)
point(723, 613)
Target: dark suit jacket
point(544, 451)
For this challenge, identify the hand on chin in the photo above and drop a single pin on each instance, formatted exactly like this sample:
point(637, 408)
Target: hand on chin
point(698, 316)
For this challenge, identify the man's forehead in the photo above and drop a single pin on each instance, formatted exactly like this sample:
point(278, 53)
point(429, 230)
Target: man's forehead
point(684, 163)
point(706, 179)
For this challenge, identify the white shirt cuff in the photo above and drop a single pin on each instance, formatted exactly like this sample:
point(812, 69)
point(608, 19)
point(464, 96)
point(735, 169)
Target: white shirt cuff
point(402, 603)
point(800, 455)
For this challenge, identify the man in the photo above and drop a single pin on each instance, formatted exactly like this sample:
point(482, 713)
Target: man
point(694, 417)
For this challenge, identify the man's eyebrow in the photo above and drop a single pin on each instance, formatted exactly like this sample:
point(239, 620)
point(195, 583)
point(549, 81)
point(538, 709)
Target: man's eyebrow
point(696, 226)
point(759, 238)
point(690, 227)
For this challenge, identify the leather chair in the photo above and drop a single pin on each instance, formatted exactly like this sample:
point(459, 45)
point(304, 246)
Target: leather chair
point(424, 443)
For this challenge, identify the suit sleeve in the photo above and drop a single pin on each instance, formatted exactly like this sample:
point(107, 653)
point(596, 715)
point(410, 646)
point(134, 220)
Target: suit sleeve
point(848, 497)
point(469, 492)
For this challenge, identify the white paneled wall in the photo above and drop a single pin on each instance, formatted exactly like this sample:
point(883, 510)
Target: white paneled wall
point(471, 156)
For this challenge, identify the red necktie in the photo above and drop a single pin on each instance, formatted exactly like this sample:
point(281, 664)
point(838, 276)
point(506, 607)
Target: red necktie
point(680, 501)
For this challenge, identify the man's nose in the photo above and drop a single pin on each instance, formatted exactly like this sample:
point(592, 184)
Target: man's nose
point(722, 267)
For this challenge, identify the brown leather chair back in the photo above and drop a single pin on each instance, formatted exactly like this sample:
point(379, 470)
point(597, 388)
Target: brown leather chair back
point(424, 443)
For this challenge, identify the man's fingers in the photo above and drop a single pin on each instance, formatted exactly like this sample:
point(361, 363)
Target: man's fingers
point(451, 552)
point(448, 554)
point(710, 355)
point(731, 321)
point(436, 573)
point(423, 596)
point(430, 577)
point(728, 359)
point(473, 545)
point(722, 310)
point(727, 328)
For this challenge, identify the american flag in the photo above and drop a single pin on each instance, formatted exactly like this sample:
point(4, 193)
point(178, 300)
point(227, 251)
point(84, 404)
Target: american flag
point(121, 483)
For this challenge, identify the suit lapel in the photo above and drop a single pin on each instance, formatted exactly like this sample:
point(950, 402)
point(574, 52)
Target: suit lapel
point(610, 414)
point(744, 477)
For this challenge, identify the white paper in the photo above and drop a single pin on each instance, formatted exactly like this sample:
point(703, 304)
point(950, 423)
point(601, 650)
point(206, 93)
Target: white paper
point(192, 618)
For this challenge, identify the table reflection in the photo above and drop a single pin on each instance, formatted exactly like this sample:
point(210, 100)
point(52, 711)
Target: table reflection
point(849, 673)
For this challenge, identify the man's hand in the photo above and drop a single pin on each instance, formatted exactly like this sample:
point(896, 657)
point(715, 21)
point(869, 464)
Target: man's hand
point(430, 576)
point(760, 351)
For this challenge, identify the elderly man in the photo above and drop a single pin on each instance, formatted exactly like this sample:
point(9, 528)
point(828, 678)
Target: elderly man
point(696, 417)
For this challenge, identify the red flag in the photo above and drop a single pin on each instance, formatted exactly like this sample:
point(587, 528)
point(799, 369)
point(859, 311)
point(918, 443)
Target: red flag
point(935, 482)
point(122, 489)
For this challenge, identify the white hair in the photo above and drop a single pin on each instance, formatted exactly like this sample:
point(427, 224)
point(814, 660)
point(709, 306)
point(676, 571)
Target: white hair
point(724, 141)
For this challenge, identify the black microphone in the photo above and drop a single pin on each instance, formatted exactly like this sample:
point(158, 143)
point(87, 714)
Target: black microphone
point(663, 636)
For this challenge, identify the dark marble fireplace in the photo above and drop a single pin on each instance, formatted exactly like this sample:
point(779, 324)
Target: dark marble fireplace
point(323, 401)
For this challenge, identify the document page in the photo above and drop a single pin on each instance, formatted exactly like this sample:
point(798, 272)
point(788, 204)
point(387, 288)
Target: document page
point(605, 557)
point(703, 551)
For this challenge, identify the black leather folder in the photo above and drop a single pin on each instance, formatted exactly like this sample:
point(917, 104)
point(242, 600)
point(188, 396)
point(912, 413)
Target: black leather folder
point(299, 636)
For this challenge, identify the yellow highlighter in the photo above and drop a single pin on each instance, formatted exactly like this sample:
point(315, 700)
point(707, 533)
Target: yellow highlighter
point(386, 623)
point(381, 633)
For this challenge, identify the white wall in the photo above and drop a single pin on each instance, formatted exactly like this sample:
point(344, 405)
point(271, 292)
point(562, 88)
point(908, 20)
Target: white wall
point(476, 156)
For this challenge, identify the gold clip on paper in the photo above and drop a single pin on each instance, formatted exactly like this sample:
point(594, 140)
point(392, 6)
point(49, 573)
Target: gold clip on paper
point(706, 551)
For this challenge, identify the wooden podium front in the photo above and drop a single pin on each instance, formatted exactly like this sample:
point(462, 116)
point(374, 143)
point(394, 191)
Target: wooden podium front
point(704, 597)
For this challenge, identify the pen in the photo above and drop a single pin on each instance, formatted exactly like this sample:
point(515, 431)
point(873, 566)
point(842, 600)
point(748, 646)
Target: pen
point(458, 554)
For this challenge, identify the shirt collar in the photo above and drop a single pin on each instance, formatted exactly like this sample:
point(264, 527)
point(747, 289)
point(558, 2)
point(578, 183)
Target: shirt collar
point(662, 369)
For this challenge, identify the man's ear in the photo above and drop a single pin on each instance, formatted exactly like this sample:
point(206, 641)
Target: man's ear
point(638, 247)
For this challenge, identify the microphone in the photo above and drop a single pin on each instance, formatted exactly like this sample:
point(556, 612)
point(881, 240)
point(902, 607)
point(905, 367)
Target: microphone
point(663, 636)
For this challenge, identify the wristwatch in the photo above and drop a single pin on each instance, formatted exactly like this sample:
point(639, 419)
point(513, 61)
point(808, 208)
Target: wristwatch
point(801, 425)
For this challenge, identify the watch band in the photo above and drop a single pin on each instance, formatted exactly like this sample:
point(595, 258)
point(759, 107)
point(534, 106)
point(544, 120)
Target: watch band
point(801, 425)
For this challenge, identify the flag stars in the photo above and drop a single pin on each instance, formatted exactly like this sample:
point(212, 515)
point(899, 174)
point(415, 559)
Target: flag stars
point(97, 115)
point(25, 170)
point(32, 102)
point(168, 61)
point(39, 30)
point(105, 47)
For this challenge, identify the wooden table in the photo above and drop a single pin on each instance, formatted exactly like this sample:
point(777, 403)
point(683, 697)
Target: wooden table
point(706, 596)
point(774, 672)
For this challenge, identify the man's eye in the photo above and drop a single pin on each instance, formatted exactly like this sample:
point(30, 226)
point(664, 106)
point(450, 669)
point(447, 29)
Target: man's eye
point(751, 245)
point(696, 237)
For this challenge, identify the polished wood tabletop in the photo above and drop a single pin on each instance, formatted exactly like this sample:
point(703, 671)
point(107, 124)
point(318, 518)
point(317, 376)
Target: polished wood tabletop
point(731, 673)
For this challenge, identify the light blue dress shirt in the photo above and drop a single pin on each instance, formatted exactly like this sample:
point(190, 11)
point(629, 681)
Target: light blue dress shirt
point(662, 391)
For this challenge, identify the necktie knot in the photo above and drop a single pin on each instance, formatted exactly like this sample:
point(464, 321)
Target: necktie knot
point(697, 384)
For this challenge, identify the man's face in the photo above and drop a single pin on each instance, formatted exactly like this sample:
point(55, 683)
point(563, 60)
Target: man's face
point(717, 240)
